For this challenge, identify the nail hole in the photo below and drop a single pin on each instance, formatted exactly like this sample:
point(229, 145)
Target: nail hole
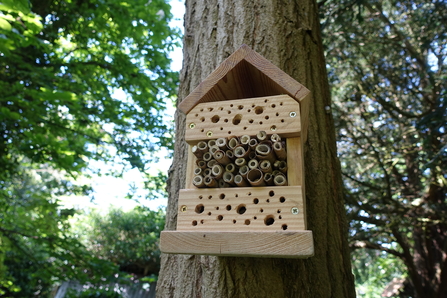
point(200, 208)
point(269, 220)
point(241, 209)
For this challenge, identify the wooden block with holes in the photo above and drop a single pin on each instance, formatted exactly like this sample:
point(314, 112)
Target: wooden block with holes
point(244, 190)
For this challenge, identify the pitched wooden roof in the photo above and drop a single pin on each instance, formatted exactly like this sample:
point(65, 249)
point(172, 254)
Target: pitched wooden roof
point(245, 74)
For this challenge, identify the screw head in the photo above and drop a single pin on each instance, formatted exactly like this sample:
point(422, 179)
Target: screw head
point(209, 133)
point(192, 125)
point(295, 210)
point(183, 208)
point(292, 114)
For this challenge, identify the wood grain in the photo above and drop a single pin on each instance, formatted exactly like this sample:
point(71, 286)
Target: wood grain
point(294, 244)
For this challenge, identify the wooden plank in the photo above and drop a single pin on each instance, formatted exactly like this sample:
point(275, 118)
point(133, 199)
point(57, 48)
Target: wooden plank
point(294, 244)
point(242, 75)
point(241, 209)
point(190, 166)
point(274, 114)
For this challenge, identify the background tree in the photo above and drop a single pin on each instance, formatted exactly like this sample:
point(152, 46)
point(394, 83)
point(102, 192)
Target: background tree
point(387, 65)
point(61, 65)
point(288, 34)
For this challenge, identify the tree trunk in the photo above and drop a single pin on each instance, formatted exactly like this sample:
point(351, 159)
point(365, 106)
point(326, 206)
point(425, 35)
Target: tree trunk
point(288, 34)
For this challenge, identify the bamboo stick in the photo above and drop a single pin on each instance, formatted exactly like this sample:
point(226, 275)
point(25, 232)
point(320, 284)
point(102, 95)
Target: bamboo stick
point(280, 151)
point(198, 181)
point(240, 181)
point(255, 177)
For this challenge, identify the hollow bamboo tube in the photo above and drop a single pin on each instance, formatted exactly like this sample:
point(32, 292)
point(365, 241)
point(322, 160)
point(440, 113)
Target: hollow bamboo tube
point(265, 166)
point(276, 164)
point(207, 156)
point(198, 171)
point(265, 152)
point(206, 172)
point(253, 143)
point(228, 177)
point(198, 181)
point(243, 171)
point(201, 164)
point(268, 179)
point(244, 140)
point(280, 151)
point(255, 177)
point(211, 143)
point(217, 171)
point(283, 167)
point(222, 143)
point(202, 146)
point(240, 162)
point(275, 138)
point(195, 150)
point(221, 157)
point(280, 180)
point(210, 181)
point(230, 155)
point(211, 163)
point(240, 151)
point(223, 184)
point(230, 168)
point(253, 164)
point(252, 155)
point(240, 181)
point(262, 135)
point(213, 149)
point(233, 142)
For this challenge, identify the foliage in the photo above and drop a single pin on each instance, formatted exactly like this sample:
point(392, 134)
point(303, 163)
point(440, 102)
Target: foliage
point(62, 64)
point(128, 239)
point(387, 65)
point(36, 246)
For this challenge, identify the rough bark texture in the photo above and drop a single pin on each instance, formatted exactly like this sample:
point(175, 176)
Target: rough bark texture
point(286, 33)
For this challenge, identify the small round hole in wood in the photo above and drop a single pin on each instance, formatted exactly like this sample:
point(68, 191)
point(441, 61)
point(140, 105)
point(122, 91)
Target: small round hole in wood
point(271, 193)
point(228, 207)
point(237, 119)
point(255, 201)
point(219, 217)
point(200, 208)
point(259, 110)
point(215, 118)
point(241, 209)
point(282, 199)
point(284, 227)
point(194, 222)
point(222, 196)
point(247, 222)
point(269, 220)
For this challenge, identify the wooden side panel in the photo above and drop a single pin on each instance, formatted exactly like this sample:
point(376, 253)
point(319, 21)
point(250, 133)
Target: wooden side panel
point(295, 244)
point(272, 208)
point(274, 114)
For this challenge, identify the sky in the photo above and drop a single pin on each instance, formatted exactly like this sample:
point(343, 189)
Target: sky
point(111, 191)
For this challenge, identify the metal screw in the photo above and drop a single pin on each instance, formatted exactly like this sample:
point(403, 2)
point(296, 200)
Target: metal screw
point(209, 133)
point(192, 125)
point(183, 208)
point(295, 210)
point(292, 114)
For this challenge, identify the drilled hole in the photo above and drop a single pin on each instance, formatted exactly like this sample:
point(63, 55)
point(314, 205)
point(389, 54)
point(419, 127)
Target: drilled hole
point(260, 122)
point(273, 105)
point(202, 119)
point(237, 119)
point(200, 208)
point(234, 221)
point(267, 117)
point(279, 211)
point(255, 201)
point(210, 109)
point(254, 217)
point(219, 217)
point(282, 199)
point(284, 227)
point(280, 217)
point(241, 209)
point(259, 110)
point(231, 105)
point(236, 195)
point(201, 110)
point(249, 193)
point(210, 197)
point(215, 119)
point(280, 103)
point(266, 100)
point(228, 207)
point(209, 213)
point(222, 196)
point(277, 114)
point(271, 193)
point(240, 107)
point(261, 210)
point(247, 222)
point(221, 128)
point(229, 112)
point(282, 120)
point(268, 200)
point(217, 208)
point(194, 222)
point(202, 221)
point(225, 120)
point(250, 121)
point(245, 127)
point(200, 197)
point(269, 220)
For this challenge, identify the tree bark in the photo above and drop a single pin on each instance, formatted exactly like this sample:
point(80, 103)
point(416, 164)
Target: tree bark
point(288, 34)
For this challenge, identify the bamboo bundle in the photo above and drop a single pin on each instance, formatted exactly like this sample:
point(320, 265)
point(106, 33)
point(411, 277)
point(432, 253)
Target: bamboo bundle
point(239, 162)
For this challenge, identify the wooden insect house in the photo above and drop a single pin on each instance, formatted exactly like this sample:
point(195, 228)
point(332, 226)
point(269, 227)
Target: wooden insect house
point(244, 189)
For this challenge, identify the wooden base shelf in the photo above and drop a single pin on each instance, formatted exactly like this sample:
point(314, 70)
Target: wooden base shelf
point(268, 244)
